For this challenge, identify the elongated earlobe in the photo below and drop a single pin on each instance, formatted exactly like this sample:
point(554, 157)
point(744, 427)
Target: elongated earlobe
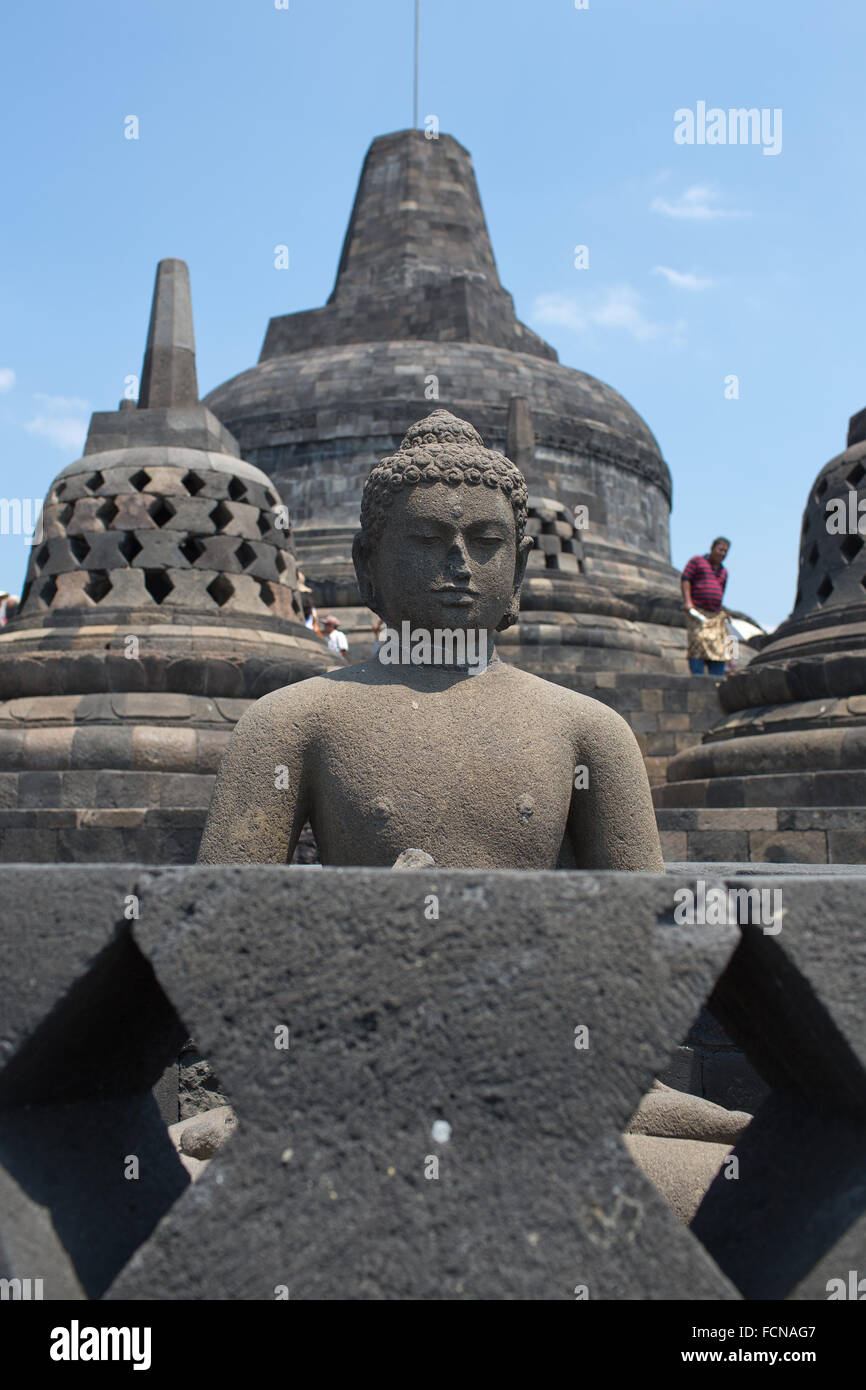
point(360, 559)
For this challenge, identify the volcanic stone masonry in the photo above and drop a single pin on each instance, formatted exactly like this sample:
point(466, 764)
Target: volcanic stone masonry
point(160, 600)
point(418, 318)
point(782, 776)
point(416, 1040)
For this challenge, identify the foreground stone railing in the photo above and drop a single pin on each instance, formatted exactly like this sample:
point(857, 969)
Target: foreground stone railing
point(432, 1072)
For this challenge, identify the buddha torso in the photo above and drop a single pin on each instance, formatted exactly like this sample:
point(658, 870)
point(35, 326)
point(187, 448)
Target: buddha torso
point(381, 784)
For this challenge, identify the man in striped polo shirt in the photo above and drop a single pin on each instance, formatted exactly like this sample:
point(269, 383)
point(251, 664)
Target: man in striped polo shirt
point(703, 583)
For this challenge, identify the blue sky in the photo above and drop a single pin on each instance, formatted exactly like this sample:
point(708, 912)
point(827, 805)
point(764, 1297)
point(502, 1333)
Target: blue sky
point(705, 260)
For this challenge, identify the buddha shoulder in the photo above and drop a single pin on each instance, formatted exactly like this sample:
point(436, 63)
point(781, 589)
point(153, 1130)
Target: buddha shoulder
point(582, 713)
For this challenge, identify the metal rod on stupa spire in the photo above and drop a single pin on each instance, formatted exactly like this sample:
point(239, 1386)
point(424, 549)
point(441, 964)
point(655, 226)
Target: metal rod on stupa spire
point(417, 29)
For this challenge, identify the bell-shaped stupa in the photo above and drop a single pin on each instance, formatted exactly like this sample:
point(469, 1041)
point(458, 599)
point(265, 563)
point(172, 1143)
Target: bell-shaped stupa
point(418, 318)
point(791, 750)
point(161, 597)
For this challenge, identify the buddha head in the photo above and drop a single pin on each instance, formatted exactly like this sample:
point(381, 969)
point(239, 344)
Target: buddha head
point(442, 542)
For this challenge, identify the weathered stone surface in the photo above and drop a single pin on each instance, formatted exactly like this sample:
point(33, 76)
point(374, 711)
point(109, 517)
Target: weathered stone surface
point(86, 1033)
point(418, 304)
point(795, 729)
point(667, 1114)
point(414, 859)
point(163, 571)
point(168, 376)
point(680, 1169)
point(793, 1000)
point(30, 1249)
point(397, 1022)
point(203, 1136)
point(369, 750)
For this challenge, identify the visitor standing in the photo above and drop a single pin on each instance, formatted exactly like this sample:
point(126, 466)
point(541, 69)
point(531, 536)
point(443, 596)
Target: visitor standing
point(703, 584)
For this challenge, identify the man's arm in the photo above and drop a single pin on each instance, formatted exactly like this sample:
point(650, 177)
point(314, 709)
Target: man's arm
point(686, 583)
point(612, 824)
point(259, 805)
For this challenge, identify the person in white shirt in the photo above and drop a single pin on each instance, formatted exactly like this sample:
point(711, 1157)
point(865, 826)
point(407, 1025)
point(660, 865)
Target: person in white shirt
point(335, 638)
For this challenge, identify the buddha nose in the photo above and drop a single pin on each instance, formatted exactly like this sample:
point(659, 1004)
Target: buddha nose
point(458, 560)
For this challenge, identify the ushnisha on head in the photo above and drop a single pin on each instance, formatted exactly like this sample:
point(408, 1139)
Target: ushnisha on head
point(442, 541)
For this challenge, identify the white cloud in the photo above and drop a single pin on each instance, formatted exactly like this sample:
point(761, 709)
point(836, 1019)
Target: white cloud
point(683, 279)
point(699, 203)
point(618, 307)
point(7, 379)
point(62, 420)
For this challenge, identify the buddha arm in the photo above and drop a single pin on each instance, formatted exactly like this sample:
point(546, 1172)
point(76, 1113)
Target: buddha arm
point(611, 823)
point(259, 804)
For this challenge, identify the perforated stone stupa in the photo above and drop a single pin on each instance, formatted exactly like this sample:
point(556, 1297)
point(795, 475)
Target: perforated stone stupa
point(160, 599)
point(788, 761)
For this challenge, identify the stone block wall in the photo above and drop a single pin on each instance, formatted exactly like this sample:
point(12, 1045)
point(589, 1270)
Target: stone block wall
point(764, 834)
point(665, 712)
point(432, 1129)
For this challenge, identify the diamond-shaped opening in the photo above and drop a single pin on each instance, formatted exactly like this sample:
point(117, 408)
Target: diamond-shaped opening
point(271, 497)
point(550, 562)
point(107, 512)
point(158, 585)
point(110, 1007)
point(64, 516)
point(221, 590)
point(98, 585)
point(42, 557)
point(61, 488)
point(140, 480)
point(281, 562)
point(192, 482)
point(851, 546)
point(79, 547)
point(821, 489)
point(130, 546)
point(264, 523)
point(245, 554)
point(221, 515)
point(266, 593)
point(48, 590)
point(750, 1016)
point(237, 489)
point(191, 549)
point(812, 557)
point(858, 472)
point(161, 510)
point(825, 589)
point(94, 482)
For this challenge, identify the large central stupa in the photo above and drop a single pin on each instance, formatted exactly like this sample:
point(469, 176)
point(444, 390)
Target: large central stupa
point(418, 318)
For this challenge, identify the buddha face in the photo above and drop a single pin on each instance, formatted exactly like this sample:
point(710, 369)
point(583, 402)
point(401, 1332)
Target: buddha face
point(447, 559)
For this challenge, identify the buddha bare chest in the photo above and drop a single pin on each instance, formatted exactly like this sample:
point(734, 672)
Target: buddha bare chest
point(452, 774)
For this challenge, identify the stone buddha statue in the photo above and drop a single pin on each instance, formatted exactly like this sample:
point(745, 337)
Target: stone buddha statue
point(435, 744)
